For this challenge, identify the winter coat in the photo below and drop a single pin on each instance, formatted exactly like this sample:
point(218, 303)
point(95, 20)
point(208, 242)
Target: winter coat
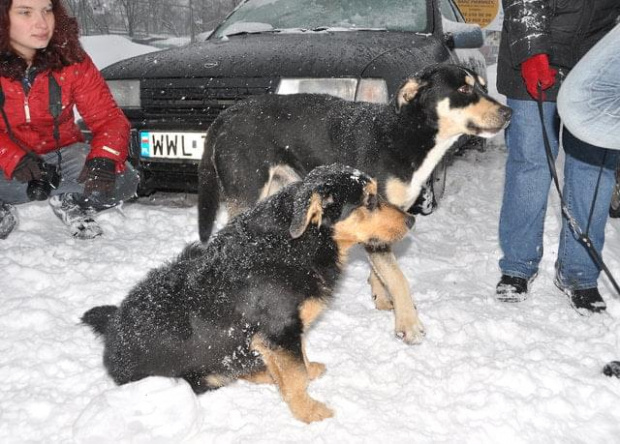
point(32, 124)
point(563, 29)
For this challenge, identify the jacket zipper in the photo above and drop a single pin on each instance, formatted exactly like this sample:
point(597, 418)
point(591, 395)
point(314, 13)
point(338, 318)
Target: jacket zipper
point(27, 109)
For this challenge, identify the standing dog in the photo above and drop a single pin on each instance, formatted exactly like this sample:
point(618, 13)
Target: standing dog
point(240, 305)
point(255, 147)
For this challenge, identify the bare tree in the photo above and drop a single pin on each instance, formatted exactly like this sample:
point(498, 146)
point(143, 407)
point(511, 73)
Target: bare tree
point(147, 17)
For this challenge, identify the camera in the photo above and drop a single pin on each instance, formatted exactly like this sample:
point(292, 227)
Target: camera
point(40, 189)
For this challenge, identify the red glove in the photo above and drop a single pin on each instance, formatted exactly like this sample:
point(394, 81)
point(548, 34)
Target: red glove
point(536, 70)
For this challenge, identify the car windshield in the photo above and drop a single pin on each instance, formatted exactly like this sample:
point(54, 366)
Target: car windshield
point(258, 16)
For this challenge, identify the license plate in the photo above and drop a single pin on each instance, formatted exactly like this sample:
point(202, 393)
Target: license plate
point(170, 145)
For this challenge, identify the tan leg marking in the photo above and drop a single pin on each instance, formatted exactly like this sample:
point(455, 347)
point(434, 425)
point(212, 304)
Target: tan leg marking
point(261, 377)
point(289, 373)
point(315, 369)
point(308, 312)
point(407, 323)
point(279, 177)
point(379, 293)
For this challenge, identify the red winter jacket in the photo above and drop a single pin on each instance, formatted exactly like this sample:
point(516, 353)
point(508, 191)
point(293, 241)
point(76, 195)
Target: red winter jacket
point(32, 125)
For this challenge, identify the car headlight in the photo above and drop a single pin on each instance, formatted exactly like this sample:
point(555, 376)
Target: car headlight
point(366, 90)
point(125, 92)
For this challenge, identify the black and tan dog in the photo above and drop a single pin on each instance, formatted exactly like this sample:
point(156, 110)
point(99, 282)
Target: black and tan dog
point(238, 307)
point(256, 146)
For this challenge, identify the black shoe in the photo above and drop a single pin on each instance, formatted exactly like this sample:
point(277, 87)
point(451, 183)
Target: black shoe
point(512, 289)
point(8, 219)
point(612, 369)
point(585, 301)
point(79, 220)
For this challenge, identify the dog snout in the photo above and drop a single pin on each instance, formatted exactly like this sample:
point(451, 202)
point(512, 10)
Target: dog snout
point(505, 113)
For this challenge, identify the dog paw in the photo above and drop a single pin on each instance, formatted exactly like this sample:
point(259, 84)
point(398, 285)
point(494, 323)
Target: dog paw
point(413, 334)
point(315, 370)
point(314, 411)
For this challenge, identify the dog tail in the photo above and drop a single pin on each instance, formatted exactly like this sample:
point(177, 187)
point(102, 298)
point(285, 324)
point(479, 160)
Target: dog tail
point(99, 317)
point(208, 190)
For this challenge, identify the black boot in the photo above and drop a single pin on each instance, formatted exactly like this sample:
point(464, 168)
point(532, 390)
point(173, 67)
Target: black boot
point(612, 369)
point(512, 289)
point(586, 301)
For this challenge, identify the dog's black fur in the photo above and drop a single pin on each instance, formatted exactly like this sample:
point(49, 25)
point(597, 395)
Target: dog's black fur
point(259, 142)
point(239, 305)
point(257, 146)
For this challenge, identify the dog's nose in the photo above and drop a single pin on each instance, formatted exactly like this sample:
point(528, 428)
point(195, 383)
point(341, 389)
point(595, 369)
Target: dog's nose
point(505, 112)
point(410, 221)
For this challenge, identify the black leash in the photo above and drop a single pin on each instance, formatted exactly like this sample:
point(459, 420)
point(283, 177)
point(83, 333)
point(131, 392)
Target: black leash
point(583, 237)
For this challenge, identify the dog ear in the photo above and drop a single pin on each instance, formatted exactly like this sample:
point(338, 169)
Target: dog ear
point(407, 92)
point(305, 210)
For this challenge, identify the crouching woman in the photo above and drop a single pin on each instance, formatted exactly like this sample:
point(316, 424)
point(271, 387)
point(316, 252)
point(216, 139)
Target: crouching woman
point(44, 75)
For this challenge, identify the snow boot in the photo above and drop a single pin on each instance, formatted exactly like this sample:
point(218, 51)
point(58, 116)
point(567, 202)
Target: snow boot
point(79, 219)
point(512, 289)
point(585, 301)
point(8, 219)
point(612, 369)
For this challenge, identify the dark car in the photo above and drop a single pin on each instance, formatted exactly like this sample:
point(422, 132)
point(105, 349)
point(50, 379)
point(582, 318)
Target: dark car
point(355, 49)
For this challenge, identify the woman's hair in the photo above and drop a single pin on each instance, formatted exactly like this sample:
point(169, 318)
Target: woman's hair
point(63, 49)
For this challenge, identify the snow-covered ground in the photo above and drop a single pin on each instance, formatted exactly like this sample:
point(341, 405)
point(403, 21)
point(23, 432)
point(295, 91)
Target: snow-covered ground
point(487, 372)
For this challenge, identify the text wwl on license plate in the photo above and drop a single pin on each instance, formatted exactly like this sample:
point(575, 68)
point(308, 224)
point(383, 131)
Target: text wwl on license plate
point(169, 145)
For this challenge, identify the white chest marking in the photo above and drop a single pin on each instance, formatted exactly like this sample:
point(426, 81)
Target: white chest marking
point(420, 175)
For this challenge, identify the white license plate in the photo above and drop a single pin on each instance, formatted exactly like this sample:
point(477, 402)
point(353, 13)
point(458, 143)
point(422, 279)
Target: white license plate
point(169, 145)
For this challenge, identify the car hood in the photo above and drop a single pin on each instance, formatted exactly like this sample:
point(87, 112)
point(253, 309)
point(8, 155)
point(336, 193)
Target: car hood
point(316, 54)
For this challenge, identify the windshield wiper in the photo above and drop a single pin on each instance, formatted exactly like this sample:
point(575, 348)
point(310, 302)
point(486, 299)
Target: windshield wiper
point(271, 31)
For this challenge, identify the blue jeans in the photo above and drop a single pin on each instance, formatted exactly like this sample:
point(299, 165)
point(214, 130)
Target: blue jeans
point(589, 99)
point(72, 158)
point(526, 190)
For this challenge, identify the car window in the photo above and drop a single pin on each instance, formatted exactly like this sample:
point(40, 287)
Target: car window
point(294, 15)
point(447, 11)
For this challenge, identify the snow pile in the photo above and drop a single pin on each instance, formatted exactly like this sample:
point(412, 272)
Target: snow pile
point(108, 49)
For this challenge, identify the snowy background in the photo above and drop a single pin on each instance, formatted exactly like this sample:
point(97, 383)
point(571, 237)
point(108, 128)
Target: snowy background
point(487, 372)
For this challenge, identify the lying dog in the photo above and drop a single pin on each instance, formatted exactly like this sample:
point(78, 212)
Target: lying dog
point(238, 306)
point(259, 145)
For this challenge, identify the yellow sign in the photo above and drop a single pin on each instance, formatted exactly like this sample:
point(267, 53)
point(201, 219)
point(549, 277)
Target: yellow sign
point(481, 12)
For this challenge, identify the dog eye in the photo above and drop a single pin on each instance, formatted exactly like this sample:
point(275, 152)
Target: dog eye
point(466, 89)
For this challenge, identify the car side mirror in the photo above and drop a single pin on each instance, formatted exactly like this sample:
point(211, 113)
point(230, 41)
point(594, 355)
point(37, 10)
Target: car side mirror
point(462, 35)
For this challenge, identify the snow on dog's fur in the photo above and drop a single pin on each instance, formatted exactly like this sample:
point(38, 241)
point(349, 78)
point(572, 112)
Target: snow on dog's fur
point(259, 145)
point(238, 307)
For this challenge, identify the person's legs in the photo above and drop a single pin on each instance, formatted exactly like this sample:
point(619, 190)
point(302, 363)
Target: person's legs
point(589, 99)
point(68, 202)
point(12, 191)
point(73, 160)
point(576, 270)
point(526, 188)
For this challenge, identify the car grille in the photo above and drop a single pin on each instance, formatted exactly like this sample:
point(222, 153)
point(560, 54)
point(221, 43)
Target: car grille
point(200, 99)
